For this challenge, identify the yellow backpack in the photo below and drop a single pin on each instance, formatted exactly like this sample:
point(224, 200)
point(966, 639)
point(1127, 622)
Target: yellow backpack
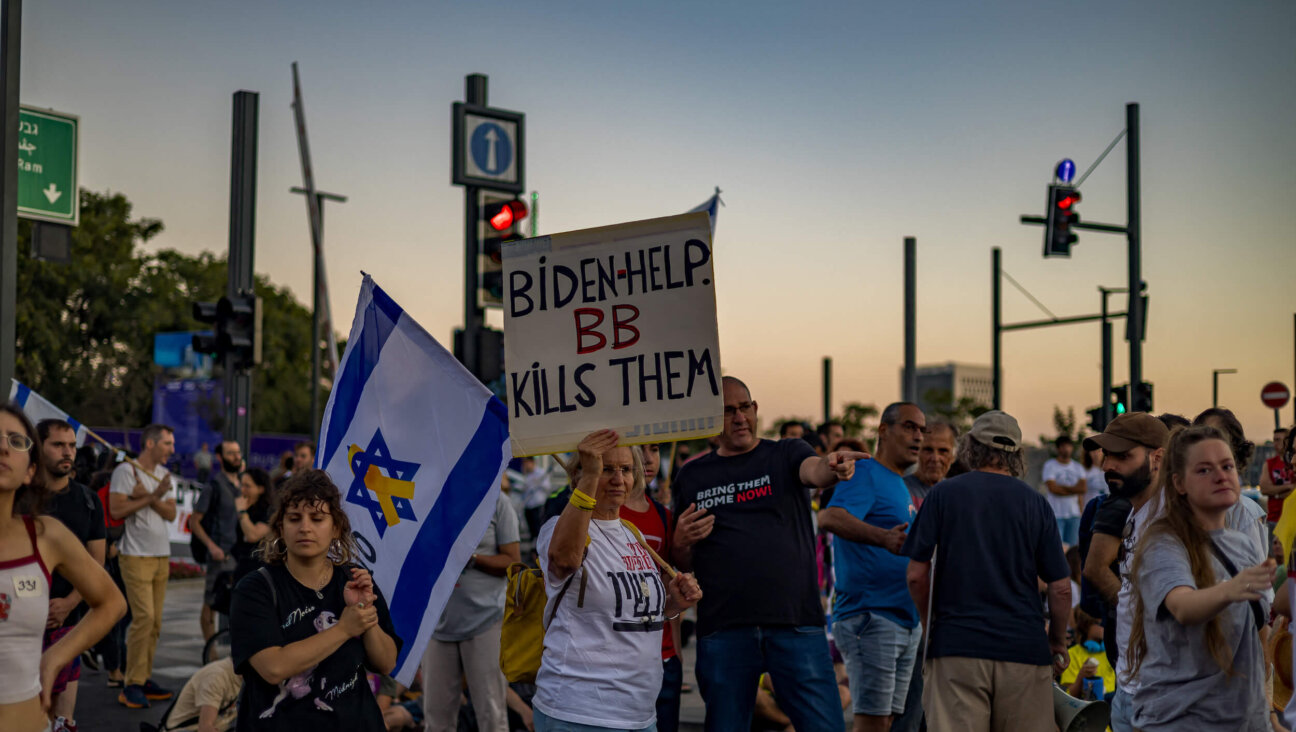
point(522, 636)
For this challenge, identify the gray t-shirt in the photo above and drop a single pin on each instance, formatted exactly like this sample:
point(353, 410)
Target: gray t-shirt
point(1180, 686)
point(223, 530)
point(918, 490)
point(478, 598)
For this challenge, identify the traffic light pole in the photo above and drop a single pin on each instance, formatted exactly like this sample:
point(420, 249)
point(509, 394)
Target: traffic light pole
point(1133, 234)
point(827, 388)
point(910, 319)
point(996, 317)
point(242, 250)
point(474, 94)
point(11, 36)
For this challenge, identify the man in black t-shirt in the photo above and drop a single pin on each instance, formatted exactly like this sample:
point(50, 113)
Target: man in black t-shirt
point(744, 529)
point(993, 537)
point(82, 512)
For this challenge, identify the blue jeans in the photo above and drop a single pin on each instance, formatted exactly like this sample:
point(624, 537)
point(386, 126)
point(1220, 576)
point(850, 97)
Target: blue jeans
point(912, 719)
point(729, 665)
point(545, 723)
point(1069, 528)
point(1122, 711)
point(879, 655)
point(668, 699)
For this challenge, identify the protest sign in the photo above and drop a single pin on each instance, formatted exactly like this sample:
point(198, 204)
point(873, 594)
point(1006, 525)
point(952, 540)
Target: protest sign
point(613, 327)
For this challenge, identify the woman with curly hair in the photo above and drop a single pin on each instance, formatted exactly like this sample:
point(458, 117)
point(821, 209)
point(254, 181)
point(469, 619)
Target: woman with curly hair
point(1198, 606)
point(305, 627)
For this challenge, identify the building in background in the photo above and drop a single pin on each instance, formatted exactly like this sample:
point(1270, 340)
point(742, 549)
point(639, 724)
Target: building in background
point(948, 383)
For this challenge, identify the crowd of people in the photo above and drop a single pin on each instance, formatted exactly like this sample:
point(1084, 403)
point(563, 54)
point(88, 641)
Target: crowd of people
point(916, 583)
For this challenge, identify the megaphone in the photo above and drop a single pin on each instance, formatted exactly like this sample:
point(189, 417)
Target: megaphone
point(1074, 715)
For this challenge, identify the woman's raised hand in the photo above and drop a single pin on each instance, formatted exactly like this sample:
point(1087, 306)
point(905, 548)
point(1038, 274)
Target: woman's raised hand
point(591, 450)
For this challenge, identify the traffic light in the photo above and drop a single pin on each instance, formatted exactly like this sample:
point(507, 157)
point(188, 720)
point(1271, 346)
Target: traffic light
point(1060, 216)
point(1120, 399)
point(236, 329)
point(501, 221)
point(1143, 397)
point(205, 342)
point(1097, 421)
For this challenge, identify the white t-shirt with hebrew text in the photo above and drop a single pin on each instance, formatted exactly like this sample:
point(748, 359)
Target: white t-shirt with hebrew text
point(602, 662)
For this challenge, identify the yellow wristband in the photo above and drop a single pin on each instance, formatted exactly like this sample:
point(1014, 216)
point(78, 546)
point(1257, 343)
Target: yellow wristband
point(581, 500)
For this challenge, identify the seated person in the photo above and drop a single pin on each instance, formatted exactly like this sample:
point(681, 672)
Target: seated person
point(1090, 675)
point(207, 703)
point(768, 716)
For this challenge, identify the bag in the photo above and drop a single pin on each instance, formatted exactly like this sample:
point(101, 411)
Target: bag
point(522, 635)
point(196, 545)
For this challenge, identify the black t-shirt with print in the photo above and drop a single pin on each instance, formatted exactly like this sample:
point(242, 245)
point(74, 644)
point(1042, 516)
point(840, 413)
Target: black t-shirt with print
point(82, 512)
point(335, 694)
point(758, 565)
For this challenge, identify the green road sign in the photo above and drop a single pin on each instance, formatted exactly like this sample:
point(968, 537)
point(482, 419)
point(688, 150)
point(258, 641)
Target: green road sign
point(47, 166)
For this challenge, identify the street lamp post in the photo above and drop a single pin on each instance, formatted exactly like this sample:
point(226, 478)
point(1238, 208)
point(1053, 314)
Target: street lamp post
point(1215, 374)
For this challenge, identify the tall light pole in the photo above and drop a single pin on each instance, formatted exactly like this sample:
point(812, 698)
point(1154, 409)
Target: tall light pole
point(1215, 384)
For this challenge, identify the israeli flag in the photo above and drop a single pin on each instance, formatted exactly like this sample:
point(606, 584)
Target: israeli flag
point(37, 407)
point(417, 446)
point(712, 207)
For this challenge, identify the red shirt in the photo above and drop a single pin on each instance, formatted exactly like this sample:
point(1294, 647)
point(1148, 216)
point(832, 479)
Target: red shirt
point(655, 535)
point(1280, 474)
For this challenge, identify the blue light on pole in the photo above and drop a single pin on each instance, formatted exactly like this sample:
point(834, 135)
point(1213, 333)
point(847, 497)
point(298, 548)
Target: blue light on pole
point(1065, 170)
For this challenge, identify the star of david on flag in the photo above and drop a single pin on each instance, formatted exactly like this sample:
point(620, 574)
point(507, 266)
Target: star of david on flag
point(381, 483)
point(417, 447)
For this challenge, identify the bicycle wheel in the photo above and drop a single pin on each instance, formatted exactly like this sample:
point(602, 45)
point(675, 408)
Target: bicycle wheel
point(216, 647)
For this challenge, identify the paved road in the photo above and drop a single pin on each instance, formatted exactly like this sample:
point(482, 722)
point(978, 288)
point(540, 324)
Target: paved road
point(179, 655)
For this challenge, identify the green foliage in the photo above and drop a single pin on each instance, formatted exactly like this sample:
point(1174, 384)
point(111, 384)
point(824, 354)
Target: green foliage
point(960, 414)
point(855, 419)
point(85, 330)
point(1063, 423)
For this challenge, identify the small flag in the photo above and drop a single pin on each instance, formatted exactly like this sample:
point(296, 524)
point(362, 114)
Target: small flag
point(711, 206)
point(37, 407)
point(417, 446)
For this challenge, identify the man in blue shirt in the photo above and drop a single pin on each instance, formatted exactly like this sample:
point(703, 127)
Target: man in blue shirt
point(875, 623)
point(992, 538)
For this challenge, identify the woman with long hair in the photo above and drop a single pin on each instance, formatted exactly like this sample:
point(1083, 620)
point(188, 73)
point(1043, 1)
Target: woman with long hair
point(602, 665)
point(1195, 640)
point(31, 548)
point(305, 628)
point(253, 506)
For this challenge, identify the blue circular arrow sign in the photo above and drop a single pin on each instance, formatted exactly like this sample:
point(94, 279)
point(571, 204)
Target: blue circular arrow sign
point(1065, 170)
point(491, 149)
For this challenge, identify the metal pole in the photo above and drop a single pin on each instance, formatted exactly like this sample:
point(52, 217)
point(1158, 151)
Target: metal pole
point(315, 323)
point(910, 316)
point(475, 94)
point(1215, 388)
point(996, 318)
point(11, 33)
point(1105, 401)
point(827, 388)
point(1133, 231)
point(1294, 365)
point(242, 250)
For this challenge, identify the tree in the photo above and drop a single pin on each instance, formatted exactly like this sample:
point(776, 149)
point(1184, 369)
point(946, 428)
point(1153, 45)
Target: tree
point(85, 330)
point(1063, 424)
point(961, 414)
point(855, 421)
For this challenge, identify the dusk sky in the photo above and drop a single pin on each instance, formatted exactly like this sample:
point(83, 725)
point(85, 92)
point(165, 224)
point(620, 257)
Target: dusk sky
point(834, 129)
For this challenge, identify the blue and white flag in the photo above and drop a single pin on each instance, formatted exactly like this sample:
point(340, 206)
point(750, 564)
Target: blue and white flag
point(711, 206)
point(417, 446)
point(37, 407)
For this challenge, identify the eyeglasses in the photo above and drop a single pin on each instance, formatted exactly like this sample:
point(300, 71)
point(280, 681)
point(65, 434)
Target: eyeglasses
point(745, 407)
point(17, 441)
point(624, 472)
point(913, 428)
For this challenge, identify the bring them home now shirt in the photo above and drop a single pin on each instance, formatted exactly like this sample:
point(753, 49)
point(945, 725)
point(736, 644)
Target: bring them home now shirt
point(757, 567)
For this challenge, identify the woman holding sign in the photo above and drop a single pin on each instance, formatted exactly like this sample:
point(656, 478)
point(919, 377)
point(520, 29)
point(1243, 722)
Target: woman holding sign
point(607, 601)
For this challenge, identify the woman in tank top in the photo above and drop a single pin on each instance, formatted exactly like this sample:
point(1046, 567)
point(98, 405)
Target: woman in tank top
point(31, 547)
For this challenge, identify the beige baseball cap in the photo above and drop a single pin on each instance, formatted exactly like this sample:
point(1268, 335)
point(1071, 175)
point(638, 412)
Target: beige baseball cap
point(997, 429)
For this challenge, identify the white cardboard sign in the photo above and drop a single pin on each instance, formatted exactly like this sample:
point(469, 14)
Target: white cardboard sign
point(613, 327)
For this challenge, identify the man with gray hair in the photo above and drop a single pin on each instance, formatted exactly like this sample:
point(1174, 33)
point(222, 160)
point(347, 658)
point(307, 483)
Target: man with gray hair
point(939, 448)
point(993, 537)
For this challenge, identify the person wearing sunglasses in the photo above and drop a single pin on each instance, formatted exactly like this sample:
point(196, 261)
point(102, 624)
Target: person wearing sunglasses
point(32, 547)
point(608, 601)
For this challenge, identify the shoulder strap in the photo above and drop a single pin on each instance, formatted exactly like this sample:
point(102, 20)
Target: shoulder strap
point(664, 515)
point(1257, 612)
point(264, 571)
point(580, 601)
point(669, 570)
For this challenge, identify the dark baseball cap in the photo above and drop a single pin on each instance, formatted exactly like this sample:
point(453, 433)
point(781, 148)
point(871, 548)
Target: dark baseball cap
point(1128, 431)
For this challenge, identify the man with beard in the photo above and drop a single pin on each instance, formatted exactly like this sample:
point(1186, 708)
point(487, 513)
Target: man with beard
point(80, 510)
point(217, 500)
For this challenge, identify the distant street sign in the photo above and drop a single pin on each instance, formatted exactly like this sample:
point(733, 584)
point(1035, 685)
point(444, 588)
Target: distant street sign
point(1275, 395)
point(47, 166)
point(489, 148)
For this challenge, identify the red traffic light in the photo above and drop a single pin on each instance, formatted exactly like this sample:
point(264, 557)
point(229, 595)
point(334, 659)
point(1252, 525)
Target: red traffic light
point(509, 213)
point(1068, 200)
